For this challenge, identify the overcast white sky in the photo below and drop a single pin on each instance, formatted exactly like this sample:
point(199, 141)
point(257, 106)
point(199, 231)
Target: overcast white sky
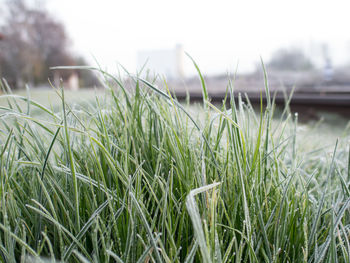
point(217, 33)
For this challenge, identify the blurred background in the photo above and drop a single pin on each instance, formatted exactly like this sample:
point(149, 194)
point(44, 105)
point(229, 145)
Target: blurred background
point(305, 46)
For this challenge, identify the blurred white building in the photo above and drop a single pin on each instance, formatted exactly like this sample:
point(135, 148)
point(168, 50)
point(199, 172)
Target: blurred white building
point(163, 62)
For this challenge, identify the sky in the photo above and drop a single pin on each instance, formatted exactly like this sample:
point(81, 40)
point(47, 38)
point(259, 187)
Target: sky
point(219, 34)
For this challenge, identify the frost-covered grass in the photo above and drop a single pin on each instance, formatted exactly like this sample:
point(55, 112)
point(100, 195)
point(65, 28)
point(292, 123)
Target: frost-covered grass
point(135, 177)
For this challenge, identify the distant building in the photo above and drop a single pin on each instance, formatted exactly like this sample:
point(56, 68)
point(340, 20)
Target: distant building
point(165, 62)
point(328, 71)
point(69, 79)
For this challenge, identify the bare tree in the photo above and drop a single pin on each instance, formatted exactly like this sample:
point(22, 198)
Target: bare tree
point(32, 42)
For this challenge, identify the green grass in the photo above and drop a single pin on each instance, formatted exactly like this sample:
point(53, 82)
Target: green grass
point(136, 177)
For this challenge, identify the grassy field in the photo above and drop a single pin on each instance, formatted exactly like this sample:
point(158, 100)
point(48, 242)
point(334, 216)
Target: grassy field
point(49, 97)
point(135, 176)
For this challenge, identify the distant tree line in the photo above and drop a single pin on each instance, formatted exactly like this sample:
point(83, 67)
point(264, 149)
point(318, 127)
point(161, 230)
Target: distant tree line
point(290, 60)
point(32, 41)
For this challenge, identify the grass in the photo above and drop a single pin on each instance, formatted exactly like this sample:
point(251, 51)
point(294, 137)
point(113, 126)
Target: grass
point(135, 177)
point(49, 98)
